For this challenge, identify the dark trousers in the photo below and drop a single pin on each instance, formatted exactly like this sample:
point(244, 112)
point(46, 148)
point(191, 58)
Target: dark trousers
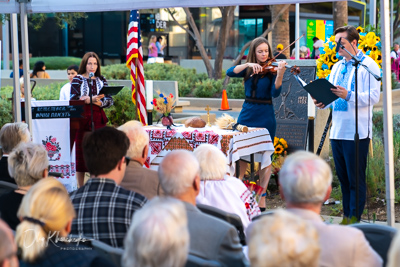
point(344, 156)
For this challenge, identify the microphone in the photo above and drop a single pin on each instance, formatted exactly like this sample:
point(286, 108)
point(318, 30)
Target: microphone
point(92, 74)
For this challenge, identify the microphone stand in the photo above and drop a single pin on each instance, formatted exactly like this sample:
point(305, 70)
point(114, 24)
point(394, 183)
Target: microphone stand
point(357, 63)
point(91, 101)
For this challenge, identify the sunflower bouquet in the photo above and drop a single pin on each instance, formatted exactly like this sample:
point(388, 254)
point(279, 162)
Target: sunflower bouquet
point(369, 43)
point(279, 156)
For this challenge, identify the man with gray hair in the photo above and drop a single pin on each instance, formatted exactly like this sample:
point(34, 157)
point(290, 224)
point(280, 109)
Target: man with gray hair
point(305, 184)
point(11, 135)
point(138, 178)
point(210, 238)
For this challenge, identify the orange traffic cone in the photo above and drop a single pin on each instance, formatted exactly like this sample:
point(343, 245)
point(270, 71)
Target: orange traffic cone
point(224, 103)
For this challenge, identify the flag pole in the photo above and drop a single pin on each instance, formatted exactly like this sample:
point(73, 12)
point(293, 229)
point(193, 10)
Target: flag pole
point(137, 88)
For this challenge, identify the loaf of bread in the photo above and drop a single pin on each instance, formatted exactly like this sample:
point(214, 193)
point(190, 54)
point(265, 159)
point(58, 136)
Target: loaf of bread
point(195, 123)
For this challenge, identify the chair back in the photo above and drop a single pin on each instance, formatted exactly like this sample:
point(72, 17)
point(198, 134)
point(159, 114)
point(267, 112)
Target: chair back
point(379, 237)
point(264, 213)
point(230, 218)
point(112, 254)
point(195, 261)
point(6, 187)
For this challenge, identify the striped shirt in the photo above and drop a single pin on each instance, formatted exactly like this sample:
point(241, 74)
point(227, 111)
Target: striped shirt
point(104, 210)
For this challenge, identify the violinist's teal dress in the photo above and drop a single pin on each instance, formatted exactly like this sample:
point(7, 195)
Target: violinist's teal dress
point(257, 109)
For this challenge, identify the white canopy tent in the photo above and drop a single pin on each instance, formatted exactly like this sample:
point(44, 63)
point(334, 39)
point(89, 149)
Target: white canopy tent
point(50, 6)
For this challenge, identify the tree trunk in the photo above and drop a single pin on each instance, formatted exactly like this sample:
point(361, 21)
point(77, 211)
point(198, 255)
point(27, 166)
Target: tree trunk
point(280, 33)
point(227, 21)
point(199, 43)
point(340, 14)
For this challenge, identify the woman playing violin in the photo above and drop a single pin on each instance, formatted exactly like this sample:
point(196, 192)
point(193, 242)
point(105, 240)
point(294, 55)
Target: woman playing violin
point(257, 110)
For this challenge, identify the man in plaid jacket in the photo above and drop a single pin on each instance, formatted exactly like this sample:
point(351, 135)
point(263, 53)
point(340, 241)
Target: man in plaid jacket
point(104, 209)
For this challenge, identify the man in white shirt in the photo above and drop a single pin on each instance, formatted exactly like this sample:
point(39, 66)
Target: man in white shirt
point(65, 91)
point(343, 118)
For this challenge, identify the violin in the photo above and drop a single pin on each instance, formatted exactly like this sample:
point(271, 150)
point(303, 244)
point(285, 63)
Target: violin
point(271, 66)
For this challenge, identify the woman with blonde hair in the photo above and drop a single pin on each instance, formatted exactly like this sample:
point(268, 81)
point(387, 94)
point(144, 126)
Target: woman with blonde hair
point(153, 52)
point(27, 164)
point(46, 214)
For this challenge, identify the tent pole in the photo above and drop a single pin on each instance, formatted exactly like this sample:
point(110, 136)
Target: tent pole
point(25, 59)
point(297, 32)
point(15, 59)
point(387, 111)
point(6, 45)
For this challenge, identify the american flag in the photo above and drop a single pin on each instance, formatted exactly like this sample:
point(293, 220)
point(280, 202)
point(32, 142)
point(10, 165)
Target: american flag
point(135, 51)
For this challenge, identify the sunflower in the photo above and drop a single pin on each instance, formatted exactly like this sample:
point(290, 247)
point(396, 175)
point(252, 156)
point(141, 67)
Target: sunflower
point(278, 149)
point(283, 142)
point(326, 59)
point(371, 42)
point(374, 48)
point(334, 59)
point(378, 39)
point(330, 64)
point(276, 140)
point(360, 29)
point(365, 49)
point(332, 38)
point(371, 36)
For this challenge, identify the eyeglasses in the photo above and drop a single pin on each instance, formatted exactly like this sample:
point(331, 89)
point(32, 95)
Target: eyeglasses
point(127, 160)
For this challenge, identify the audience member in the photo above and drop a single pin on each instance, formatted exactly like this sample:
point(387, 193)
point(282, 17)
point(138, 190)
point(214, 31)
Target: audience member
point(137, 178)
point(283, 239)
point(210, 238)
point(27, 164)
point(65, 92)
point(39, 71)
point(21, 70)
point(317, 44)
point(158, 236)
point(220, 190)
point(8, 248)
point(22, 90)
point(104, 209)
point(305, 184)
point(160, 47)
point(11, 135)
point(394, 252)
point(46, 212)
point(279, 48)
point(152, 47)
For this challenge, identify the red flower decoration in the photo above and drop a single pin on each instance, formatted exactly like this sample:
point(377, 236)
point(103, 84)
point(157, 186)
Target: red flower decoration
point(155, 102)
point(247, 205)
point(171, 95)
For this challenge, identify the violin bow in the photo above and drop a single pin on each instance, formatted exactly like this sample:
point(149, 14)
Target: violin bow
point(283, 50)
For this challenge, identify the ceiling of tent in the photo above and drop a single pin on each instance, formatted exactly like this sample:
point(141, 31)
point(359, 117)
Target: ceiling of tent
point(51, 6)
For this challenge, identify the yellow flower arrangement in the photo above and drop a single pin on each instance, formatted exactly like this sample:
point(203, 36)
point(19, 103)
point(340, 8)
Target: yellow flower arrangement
point(369, 43)
point(280, 146)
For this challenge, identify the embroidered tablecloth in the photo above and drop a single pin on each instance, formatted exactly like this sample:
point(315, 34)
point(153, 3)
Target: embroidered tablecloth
point(235, 145)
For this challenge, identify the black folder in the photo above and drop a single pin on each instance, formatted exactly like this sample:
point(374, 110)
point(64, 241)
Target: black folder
point(111, 90)
point(320, 89)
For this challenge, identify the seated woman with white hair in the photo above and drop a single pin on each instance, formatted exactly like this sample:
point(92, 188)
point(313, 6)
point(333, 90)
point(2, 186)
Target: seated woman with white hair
point(220, 190)
point(27, 164)
point(158, 235)
point(283, 239)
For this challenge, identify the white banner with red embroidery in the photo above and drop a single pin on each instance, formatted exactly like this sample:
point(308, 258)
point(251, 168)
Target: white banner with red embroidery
point(54, 135)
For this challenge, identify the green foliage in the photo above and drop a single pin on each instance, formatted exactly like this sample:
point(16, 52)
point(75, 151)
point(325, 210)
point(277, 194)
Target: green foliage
point(5, 105)
point(208, 88)
point(336, 210)
point(49, 92)
point(55, 63)
point(115, 72)
point(336, 193)
point(123, 109)
point(36, 20)
point(235, 88)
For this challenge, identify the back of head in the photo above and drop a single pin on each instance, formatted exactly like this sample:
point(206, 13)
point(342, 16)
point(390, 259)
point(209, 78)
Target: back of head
point(305, 178)
point(158, 235)
point(39, 65)
point(103, 149)
point(73, 67)
point(11, 134)
point(27, 163)
point(212, 162)
point(177, 172)
point(8, 249)
point(283, 239)
point(138, 138)
point(45, 209)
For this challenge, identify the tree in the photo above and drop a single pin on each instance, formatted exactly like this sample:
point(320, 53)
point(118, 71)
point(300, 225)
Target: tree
point(280, 33)
point(340, 14)
point(37, 20)
point(264, 34)
point(227, 21)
